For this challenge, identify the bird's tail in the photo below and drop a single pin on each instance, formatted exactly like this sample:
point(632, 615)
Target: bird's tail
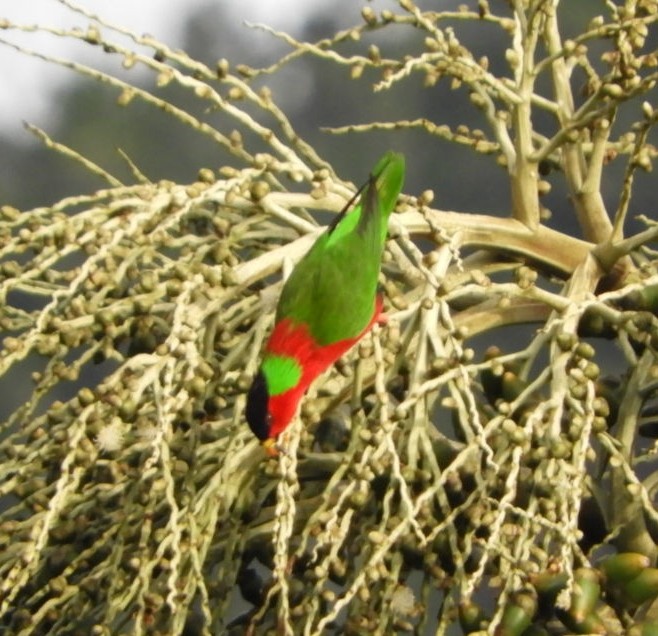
point(386, 181)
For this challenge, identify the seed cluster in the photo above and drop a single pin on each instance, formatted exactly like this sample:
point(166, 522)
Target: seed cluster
point(442, 464)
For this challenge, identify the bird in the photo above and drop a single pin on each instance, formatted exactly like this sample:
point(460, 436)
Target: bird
point(327, 304)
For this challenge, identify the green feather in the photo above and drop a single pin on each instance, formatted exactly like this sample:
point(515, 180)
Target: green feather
point(282, 373)
point(332, 289)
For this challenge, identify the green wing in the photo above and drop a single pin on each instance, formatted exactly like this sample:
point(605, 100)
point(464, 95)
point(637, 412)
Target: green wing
point(332, 290)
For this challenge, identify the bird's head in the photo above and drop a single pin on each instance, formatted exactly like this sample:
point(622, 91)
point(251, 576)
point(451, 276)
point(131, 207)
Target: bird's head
point(257, 411)
point(269, 413)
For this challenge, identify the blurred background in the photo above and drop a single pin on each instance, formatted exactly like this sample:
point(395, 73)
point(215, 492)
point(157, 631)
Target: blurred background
point(84, 115)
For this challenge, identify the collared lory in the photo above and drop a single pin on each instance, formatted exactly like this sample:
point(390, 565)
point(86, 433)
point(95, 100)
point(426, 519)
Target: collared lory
point(327, 304)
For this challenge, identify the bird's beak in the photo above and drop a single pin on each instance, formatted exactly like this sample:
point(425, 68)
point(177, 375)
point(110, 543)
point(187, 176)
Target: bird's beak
point(271, 449)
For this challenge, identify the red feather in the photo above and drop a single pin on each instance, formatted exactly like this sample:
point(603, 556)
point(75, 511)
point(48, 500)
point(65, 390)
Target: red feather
point(294, 340)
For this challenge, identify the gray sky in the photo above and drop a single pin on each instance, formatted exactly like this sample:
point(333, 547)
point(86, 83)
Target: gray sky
point(27, 90)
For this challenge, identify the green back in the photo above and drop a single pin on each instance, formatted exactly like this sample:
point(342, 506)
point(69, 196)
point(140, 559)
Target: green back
point(332, 289)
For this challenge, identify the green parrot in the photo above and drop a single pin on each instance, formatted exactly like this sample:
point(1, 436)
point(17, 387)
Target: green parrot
point(327, 304)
